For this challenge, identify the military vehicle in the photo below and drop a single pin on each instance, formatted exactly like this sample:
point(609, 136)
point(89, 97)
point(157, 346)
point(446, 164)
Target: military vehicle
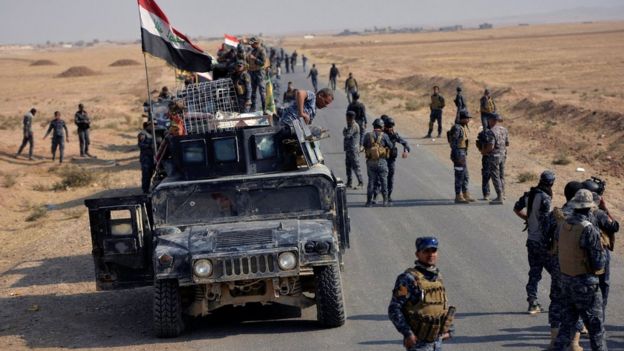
point(247, 213)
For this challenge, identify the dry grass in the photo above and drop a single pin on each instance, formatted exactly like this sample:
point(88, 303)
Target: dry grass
point(527, 177)
point(8, 180)
point(74, 177)
point(36, 213)
point(561, 160)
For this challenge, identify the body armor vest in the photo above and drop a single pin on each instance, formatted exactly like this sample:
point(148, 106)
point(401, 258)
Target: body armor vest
point(489, 106)
point(427, 317)
point(573, 259)
point(463, 142)
point(377, 150)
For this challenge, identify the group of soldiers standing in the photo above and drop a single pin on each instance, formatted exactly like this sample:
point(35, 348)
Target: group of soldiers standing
point(59, 133)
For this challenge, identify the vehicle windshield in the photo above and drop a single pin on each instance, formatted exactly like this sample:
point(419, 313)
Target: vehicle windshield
point(206, 205)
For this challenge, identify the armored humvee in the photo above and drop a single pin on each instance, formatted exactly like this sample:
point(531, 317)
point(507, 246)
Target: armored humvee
point(247, 213)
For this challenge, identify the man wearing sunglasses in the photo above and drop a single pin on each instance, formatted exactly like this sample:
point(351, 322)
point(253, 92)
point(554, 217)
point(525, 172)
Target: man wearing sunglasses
point(418, 308)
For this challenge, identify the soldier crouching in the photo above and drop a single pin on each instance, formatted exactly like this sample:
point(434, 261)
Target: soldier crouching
point(418, 308)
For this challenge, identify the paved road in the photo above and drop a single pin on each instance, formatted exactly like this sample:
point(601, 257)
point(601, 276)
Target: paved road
point(482, 257)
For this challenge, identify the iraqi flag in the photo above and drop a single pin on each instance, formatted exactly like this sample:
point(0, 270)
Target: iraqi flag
point(162, 40)
point(230, 40)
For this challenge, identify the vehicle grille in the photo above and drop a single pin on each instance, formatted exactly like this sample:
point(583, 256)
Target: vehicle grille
point(241, 266)
point(226, 240)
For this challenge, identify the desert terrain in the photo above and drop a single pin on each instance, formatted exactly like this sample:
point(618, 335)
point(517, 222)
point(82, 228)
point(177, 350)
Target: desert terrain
point(558, 87)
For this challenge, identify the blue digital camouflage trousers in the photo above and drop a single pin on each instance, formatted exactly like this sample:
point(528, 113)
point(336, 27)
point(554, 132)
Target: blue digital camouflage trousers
point(352, 164)
point(427, 346)
point(258, 84)
point(461, 170)
point(540, 260)
point(377, 172)
point(581, 299)
point(485, 176)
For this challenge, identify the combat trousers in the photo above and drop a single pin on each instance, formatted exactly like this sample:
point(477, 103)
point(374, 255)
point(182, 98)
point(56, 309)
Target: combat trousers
point(485, 176)
point(362, 130)
point(436, 115)
point(28, 139)
point(554, 310)
point(352, 163)
point(332, 83)
point(258, 83)
point(315, 84)
point(538, 261)
point(350, 94)
point(83, 138)
point(427, 346)
point(391, 168)
point(377, 172)
point(581, 299)
point(496, 169)
point(484, 119)
point(461, 170)
point(241, 105)
point(147, 169)
point(604, 282)
point(58, 142)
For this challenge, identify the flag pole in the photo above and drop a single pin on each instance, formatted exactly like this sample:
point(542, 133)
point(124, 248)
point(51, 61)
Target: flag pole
point(149, 94)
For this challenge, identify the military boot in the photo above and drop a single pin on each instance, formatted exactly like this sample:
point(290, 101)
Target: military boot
point(385, 202)
point(553, 337)
point(467, 197)
point(349, 185)
point(575, 345)
point(459, 199)
point(369, 203)
point(497, 201)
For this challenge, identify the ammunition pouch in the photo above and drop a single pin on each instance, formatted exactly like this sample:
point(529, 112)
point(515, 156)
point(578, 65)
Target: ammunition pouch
point(394, 152)
point(376, 151)
point(427, 328)
point(240, 89)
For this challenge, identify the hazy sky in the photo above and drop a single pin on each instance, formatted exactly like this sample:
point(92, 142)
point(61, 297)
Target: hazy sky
point(36, 21)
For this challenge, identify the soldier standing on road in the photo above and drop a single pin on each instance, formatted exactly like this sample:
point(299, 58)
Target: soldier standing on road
point(256, 60)
point(485, 161)
point(460, 135)
point(497, 138)
point(286, 59)
point(538, 204)
point(82, 121)
point(394, 151)
point(436, 106)
point(351, 87)
point(360, 116)
point(60, 135)
point(313, 75)
point(333, 75)
point(28, 133)
point(242, 86)
point(418, 308)
point(290, 94)
point(581, 260)
point(460, 103)
point(304, 61)
point(146, 156)
point(377, 146)
point(487, 106)
point(293, 61)
point(351, 135)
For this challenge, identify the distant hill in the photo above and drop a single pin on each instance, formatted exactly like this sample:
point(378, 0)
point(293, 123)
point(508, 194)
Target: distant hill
point(578, 14)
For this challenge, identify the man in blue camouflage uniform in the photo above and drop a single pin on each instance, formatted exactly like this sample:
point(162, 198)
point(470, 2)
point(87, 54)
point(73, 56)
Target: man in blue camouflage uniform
point(146, 156)
point(59, 136)
point(256, 59)
point(459, 155)
point(305, 105)
point(497, 138)
point(581, 260)
point(351, 145)
point(83, 123)
point(394, 151)
point(460, 103)
point(485, 161)
point(242, 86)
point(377, 146)
point(418, 308)
point(360, 115)
point(313, 75)
point(538, 204)
point(334, 73)
point(28, 133)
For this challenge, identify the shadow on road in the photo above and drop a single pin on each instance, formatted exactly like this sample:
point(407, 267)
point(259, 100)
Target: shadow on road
point(100, 194)
point(57, 270)
point(417, 203)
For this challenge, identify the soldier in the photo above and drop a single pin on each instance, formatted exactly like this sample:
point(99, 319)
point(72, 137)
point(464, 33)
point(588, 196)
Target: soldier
point(306, 103)
point(538, 204)
point(459, 103)
point(351, 135)
point(459, 139)
point(164, 94)
point(360, 115)
point(436, 106)
point(304, 61)
point(418, 308)
point(377, 146)
point(485, 161)
point(333, 75)
point(497, 138)
point(313, 75)
point(28, 133)
point(59, 136)
point(487, 106)
point(394, 151)
point(256, 60)
point(82, 121)
point(293, 61)
point(287, 62)
point(290, 94)
point(146, 156)
point(242, 86)
point(581, 260)
point(351, 87)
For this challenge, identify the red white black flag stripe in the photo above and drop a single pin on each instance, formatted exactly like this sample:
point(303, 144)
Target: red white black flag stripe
point(162, 40)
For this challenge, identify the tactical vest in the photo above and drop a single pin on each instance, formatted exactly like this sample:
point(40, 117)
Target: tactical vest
point(489, 106)
point(427, 317)
point(376, 151)
point(437, 102)
point(463, 142)
point(573, 259)
point(606, 240)
point(351, 83)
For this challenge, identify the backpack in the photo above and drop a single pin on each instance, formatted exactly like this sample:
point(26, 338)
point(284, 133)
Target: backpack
point(376, 151)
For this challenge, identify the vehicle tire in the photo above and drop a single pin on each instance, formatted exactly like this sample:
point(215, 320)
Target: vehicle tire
point(167, 314)
point(330, 310)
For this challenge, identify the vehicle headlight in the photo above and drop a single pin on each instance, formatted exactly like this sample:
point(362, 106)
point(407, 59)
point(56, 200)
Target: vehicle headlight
point(287, 261)
point(202, 268)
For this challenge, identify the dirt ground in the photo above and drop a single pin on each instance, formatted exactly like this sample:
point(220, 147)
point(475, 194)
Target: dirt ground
point(559, 88)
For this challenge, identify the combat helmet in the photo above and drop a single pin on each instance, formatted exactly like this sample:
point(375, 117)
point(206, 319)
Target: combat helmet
point(378, 123)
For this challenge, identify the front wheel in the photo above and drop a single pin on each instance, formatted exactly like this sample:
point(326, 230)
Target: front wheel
point(330, 310)
point(167, 314)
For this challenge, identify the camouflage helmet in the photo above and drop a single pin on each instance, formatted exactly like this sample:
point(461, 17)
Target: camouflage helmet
point(426, 242)
point(547, 177)
point(388, 121)
point(378, 123)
